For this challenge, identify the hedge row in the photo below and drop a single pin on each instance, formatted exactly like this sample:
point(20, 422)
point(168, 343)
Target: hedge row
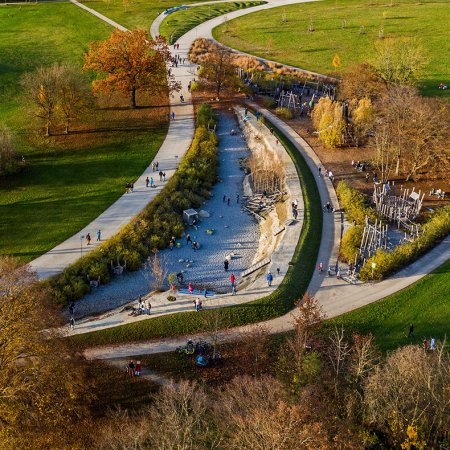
point(153, 227)
point(356, 207)
point(281, 301)
point(355, 204)
point(436, 229)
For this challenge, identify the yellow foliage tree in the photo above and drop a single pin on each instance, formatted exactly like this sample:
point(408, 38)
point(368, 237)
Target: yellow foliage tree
point(336, 61)
point(329, 122)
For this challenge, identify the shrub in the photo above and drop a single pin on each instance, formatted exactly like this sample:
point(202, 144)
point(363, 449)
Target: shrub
point(269, 102)
point(350, 244)
point(437, 227)
point(285, 113)
point(354, 203)
point(153, 227)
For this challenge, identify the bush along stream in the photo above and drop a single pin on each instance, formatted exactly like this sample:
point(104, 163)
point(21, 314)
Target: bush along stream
point(281, 301)
point(154, 226)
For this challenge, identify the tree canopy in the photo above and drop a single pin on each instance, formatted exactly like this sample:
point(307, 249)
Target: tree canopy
point(129, 61)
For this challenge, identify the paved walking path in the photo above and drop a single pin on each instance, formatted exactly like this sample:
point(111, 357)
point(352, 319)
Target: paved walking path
point(177, 142)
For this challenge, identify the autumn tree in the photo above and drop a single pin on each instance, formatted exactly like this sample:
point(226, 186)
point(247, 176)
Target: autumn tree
point(295, 359)
point(329, 122)
point(218, 69)
point(41, 87)
point(398, 61)
point(411, 389)
point(362, 113)
point(40, 387)
point(415, 130)
point(129, 61)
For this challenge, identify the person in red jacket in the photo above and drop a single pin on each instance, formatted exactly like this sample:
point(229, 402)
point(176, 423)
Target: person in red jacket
point(232, 279)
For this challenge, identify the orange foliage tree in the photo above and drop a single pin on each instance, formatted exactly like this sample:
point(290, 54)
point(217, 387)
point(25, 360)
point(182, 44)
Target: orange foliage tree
point(131, 60)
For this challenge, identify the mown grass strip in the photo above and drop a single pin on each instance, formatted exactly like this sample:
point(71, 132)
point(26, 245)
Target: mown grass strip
point(281, 301)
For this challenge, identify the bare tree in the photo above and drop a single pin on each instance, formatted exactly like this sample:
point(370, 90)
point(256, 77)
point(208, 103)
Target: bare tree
point(254, 342)
point(75, 95)
point(158, 269)
point(338, 352)
point(415, 129)
point(41, 87)
point(215, 324)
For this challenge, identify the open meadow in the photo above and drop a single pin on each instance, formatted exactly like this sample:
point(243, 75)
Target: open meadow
point(69, 180)
point(349, 29)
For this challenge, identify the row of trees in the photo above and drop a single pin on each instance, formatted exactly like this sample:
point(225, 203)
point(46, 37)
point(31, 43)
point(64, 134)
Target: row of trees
point(332, 391)
point(126, 62)
point(379, 101)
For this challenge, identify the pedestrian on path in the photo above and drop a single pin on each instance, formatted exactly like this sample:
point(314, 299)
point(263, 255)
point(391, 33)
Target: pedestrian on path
point(151, 182)
point(320, 267)
point(225, 265)
point(228, 201)
point(72, 323)
point(99, 235)
point(269, 279)
point(164, 176)
point(72, 308)
point(138, 368)
point(88, 239)
point(160, 175)
point(233, 289)
point(131, 368)
point(411, 330)
point(224, 199)
point(232, 279)
point(320, 172)
point(295, 214)
point(173, 115)
point(149, 307)
point(237, 198)
point(188, 239)
point(147, 182)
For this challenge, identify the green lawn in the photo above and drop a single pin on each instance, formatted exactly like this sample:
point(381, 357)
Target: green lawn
point(180, 22)
point(426, 304)
point(70, 180)
point(137, 13)
point(264, 34)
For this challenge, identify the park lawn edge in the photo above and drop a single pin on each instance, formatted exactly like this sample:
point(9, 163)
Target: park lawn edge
point(172, 35)
point(276, 304)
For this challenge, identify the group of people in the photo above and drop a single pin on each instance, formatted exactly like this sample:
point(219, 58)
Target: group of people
point(134, 368)
point(227, 200)
point(426, 345)
point(129, 188)
point(89, 238)
point(142, 308)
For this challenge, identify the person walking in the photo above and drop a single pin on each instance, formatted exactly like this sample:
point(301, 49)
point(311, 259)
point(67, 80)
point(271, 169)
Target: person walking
point(99, 235)
point(131, 368)
point(320, 267)
point(233, 289)
point(224, 199)
point(160, 175)
point(188, 239)
point(151, 182)
point(237, 198)
point(72, 323)
point(320, 172)
point(147, 182)
point(149, 308)
point(228, 201)
point(232, 279)
point(173, 115)
point(269, 279)
point(72, 308)
point(164, 176)
point(225, 265)
point(411, 330)
point(88, 239)
point(138, 369)
point(432, 344)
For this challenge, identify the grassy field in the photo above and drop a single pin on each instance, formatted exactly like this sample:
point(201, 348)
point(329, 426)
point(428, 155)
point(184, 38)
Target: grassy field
point(135, 13)
point(281, 34)
point(69, 179)
point(426, 304)
point(180, 22)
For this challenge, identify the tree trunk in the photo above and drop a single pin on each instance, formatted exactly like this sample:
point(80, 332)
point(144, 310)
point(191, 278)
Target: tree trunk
point(67, 126)
point(47, 128)
point(133, 98)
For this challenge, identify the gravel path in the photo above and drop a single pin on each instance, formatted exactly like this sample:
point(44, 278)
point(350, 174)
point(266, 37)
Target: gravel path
point(234, 231)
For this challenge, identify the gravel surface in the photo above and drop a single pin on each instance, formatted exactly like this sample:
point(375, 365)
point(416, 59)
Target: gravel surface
point(234, 231)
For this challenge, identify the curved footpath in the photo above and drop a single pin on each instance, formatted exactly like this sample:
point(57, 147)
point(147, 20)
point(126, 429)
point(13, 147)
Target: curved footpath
point(178, 139)
point(336, 296)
